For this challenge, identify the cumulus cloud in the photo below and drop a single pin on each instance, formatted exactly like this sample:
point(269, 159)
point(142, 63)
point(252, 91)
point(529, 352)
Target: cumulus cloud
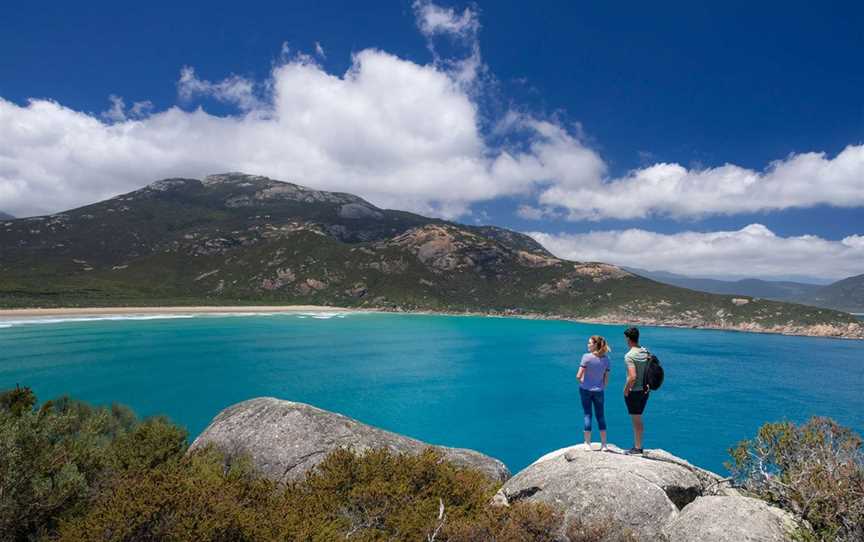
point(800, 180)
point(753, 251)
point(401, 134)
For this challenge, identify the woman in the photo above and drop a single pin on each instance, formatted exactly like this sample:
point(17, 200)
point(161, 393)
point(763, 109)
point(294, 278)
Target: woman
point(593, 377)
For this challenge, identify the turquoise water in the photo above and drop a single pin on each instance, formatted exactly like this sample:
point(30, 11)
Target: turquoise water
point(505, 387)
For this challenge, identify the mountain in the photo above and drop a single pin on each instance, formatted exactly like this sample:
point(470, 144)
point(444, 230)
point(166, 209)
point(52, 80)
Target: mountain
point(846, 294)
point(242, 239)
point(767, 289)
point(5, 216)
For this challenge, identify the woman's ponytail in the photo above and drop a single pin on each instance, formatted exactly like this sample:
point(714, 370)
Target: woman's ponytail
point(601, 347)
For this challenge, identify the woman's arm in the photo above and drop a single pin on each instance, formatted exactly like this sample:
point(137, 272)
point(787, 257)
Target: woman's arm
point(606, 379)
point(580, 376)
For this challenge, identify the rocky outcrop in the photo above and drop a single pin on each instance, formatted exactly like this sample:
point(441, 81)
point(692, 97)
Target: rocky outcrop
point(730, 519)
point(657, 496)
point(641, 493)
point(285, 439)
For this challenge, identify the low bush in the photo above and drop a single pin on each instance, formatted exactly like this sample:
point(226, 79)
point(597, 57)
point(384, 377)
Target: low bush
point(607, 530)
point(73, 472)
point(815, 471)
point(374, 496)
point(55, 459)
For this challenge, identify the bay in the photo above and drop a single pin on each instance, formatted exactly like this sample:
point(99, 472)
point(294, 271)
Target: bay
point(502, 386)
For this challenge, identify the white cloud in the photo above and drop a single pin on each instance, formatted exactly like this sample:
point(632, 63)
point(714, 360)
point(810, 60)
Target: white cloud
point(435, 21)
point(529, 212)
point(753, 251)
point(118, 112)
point(234, 90)
point(401, 134)
point(800, 180)
point(319, 50)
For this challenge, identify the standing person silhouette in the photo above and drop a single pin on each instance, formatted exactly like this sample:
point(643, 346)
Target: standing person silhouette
point(635, 390)
point(593, 377)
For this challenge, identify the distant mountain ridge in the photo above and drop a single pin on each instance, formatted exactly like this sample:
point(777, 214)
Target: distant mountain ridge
point(6, 216)
point(236, 239)
point(846, 295)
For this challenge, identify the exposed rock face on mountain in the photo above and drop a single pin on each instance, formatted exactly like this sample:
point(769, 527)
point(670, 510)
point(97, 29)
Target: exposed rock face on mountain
point(642, 493)
point(655, 495)
point(242, 239)
point(730, 519)
point(285, 439)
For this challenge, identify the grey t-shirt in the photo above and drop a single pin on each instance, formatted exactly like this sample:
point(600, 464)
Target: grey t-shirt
point(638, 358)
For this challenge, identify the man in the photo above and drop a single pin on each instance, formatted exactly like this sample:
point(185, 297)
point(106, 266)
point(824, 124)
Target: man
point(635, 390)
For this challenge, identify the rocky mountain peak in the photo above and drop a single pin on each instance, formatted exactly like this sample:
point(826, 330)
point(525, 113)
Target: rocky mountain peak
point(236, 189)
point(234, 177)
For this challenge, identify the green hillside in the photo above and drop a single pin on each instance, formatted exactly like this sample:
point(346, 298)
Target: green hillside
point(238, 239)
point(846, 294)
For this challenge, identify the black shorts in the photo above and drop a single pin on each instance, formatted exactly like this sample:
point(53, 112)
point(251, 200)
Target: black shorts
point(636, 401)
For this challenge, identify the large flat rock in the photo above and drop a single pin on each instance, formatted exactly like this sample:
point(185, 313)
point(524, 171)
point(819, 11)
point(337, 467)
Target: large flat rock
point(730, 519)
point(285, 439)
point(642, 493)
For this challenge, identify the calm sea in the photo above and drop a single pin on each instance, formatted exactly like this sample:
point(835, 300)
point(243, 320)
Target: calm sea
point(505, 387)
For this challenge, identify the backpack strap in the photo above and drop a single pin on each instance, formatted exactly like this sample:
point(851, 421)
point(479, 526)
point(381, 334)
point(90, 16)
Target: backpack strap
point(645, 386)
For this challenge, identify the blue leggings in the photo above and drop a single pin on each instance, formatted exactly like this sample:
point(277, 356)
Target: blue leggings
point(594, 398)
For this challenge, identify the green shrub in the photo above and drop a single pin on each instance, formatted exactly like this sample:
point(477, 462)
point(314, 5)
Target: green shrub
point(535, 522)
point(194, 498)
point(54, 460)
point(73, 472)
point(368, 497)
point(606, 530)
point(17, 401)
point(815, 471)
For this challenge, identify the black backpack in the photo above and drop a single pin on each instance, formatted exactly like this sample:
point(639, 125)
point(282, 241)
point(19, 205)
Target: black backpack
point(653, 373)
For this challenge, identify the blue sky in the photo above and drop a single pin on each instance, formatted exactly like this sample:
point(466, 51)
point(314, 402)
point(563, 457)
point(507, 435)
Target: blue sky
point(592, 101)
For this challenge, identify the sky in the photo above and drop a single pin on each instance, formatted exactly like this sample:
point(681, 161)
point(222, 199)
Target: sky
point(707, 139)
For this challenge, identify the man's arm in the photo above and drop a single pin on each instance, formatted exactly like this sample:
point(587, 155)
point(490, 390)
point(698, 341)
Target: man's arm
point(631, 377)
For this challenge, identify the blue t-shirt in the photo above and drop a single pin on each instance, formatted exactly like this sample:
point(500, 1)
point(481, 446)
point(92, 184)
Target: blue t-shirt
point(595, 370)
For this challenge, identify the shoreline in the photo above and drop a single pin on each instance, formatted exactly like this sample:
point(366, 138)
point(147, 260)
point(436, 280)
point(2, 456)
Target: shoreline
point(815, 331)
point(203, 309)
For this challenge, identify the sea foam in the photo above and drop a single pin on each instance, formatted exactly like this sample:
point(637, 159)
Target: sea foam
point(37, 320)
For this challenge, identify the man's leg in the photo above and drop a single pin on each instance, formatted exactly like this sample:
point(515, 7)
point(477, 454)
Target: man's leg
point(638, 429)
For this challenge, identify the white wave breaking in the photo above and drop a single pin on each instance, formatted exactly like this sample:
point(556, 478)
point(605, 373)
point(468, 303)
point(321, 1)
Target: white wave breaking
point(43, 320)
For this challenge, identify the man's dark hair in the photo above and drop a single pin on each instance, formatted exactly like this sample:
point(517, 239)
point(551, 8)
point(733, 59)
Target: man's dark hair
point(632, 333)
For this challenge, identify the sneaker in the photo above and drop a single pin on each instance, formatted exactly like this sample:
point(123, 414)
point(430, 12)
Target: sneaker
point(588, 445)
point(634, 451)
point(603, 448)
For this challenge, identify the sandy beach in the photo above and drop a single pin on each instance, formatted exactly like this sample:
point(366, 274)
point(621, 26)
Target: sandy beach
point(94, 311)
